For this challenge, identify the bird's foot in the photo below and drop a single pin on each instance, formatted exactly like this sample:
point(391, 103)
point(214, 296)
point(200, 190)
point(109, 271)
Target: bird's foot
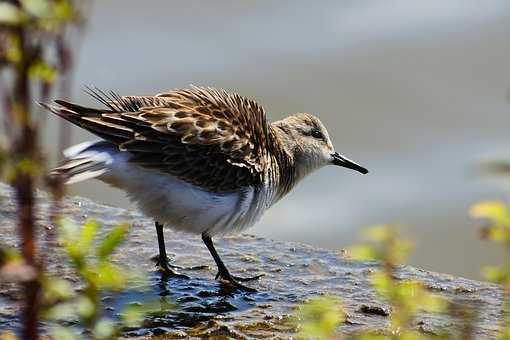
point(242, 279)
point(200, 267)
point(168, 270)
point(235, 280)
point(157, 260)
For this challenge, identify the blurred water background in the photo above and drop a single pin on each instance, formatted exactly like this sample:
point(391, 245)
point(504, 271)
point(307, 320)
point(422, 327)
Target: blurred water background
point(416, 91)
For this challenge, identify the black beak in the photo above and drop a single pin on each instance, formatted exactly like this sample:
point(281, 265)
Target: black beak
point(347, 163)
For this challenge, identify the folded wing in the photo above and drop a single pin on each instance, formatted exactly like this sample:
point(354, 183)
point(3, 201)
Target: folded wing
point(210, 138)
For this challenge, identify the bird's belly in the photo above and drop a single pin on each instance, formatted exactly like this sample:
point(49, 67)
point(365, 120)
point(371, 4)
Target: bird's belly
point(181, 205)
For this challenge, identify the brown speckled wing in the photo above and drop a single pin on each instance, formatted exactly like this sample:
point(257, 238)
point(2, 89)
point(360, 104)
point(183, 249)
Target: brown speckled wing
point(210, 138)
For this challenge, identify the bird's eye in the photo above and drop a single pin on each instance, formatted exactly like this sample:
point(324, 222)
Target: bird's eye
point(316, 133)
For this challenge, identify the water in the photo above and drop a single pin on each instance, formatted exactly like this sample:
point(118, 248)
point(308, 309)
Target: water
point(417, 93)
point(200, 306)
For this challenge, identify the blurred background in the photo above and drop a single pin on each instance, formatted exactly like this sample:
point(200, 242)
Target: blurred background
point(415, 91)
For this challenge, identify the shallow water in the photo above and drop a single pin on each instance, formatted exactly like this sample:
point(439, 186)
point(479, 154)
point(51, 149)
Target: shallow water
point(415, 92)
point(203, 307)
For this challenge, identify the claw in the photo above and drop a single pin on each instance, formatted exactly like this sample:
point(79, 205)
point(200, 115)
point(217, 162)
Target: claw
point(234, 280)
point(246, 279)
point(238, 278)
point(166, 269)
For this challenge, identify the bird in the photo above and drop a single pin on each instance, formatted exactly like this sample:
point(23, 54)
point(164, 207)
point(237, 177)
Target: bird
point(198, 159)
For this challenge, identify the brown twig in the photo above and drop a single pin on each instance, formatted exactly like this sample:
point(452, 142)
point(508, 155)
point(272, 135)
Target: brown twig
point(24, 149)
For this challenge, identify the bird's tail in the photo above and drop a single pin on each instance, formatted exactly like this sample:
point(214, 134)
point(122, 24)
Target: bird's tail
point(85, 161)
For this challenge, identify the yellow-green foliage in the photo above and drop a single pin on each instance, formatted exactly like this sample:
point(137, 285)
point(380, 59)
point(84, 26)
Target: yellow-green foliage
point(43, 19)
point(406, 298)
point(44, 15)
point(497, 230)
point(91, 259)
point(320, 317)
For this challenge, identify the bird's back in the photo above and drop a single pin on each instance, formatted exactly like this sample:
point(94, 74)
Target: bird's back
point(198, 159)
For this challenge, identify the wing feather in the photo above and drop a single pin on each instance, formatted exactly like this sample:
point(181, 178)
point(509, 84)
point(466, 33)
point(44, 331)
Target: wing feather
point(211, 138)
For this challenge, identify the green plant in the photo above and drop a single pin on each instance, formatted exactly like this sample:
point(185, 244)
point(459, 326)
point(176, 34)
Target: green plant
point(320, 317)
point(497, 230)
point(91, 260)
point(406, 298)
point(31, 31)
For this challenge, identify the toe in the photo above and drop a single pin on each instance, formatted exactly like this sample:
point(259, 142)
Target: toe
point(246, 279)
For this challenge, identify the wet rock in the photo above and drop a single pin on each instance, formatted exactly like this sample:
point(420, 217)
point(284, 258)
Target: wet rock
point(375, 310)
point(202, 307)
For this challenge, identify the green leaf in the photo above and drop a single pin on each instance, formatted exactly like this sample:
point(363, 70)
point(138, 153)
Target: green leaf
point(105, 329)
point(363, 253)
point(85, 307)
point(495, 274)
point(62, 311)
point(410, 335)
point(505, 334)
point(382, 283)
point(433, 303)
point(134, 314)
point(78, 242)
point(88, 233)
point(320, 317)
point(400, 251)
point(112, 240)
point(10, 14)
point(37, 8)
point(57, 289)
point(110, 276)
point(497, 233)
point(69, 237)
point(9, 255)
point(63, 10)
point(68, 231)
point(496, 211)
point(41, 70)
point(378, 233)
point(64, 333)
point(409, 290)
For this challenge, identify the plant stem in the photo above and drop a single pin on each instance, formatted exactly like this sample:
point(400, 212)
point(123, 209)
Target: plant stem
point(25, 149)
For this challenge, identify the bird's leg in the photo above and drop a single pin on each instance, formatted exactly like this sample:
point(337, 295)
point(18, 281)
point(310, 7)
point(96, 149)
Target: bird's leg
point(162, 262)
point(223, 272)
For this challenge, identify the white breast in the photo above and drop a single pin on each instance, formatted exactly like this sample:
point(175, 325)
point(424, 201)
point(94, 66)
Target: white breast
point(183, 206)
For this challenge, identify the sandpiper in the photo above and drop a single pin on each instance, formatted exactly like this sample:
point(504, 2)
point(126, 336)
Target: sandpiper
point(199, 160)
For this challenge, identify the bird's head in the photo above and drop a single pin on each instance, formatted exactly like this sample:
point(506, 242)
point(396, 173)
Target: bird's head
point(307, 140)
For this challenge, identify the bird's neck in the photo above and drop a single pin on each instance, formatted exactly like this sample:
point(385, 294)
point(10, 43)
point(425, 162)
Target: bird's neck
point(283, 174)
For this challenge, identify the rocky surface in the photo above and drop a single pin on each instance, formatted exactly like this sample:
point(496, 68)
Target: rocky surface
point(206, 308)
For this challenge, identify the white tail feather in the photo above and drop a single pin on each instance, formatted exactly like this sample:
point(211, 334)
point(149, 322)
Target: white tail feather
point(86, 161)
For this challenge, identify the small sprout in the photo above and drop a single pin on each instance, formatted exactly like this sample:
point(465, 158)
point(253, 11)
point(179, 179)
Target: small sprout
point(43, 71)
point(64, 333)
point(378, 233)
point(91, 258)
point(56, 289)
point(10, 14)
point(134, 314)
point(406, 298)
point(495, 211)
point(36, 8)
point(320, 317)
point(112, 240)
point(110, 276)
point(105, 329)
point(382, 282)
point(63, 311)
point(363, 253)
point(497, 230)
